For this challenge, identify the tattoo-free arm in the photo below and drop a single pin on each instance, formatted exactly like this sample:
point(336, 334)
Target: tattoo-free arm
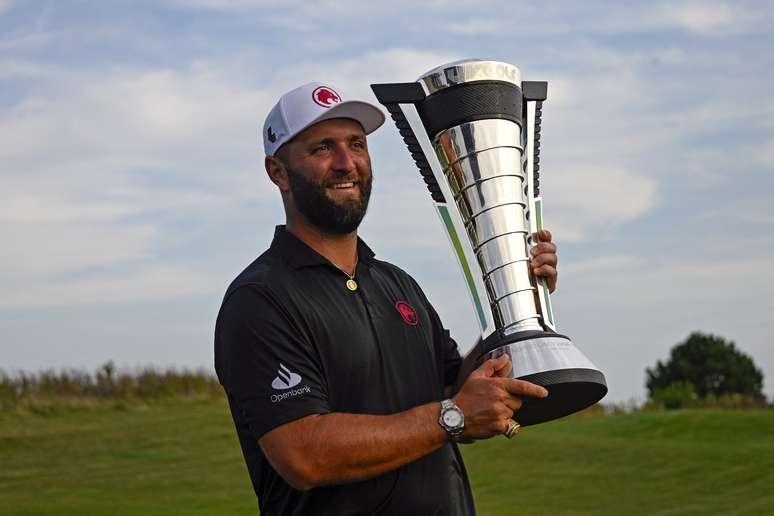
point(337, 448)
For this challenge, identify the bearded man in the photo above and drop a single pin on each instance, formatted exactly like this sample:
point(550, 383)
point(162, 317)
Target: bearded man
point(337, 368)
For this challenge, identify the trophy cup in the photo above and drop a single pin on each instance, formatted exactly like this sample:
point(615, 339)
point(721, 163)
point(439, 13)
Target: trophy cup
point(473, 130)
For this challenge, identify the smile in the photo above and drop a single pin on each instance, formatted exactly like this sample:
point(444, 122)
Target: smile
point(342, 186)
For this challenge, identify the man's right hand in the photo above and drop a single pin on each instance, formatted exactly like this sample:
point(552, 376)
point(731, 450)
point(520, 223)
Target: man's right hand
point(488, 399)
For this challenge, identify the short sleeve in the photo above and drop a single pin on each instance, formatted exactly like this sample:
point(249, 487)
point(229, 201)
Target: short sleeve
point(265, 363)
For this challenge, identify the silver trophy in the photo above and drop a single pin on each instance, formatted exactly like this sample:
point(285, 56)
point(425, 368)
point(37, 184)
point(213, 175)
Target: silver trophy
point(473, 129)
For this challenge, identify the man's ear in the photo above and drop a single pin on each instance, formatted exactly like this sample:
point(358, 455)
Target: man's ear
point(277, 172)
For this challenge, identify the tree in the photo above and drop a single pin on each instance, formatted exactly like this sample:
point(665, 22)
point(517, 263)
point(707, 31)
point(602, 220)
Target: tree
point(712, 365)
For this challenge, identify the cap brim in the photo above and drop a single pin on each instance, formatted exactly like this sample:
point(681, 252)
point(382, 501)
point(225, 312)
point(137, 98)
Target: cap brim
point(369, 116)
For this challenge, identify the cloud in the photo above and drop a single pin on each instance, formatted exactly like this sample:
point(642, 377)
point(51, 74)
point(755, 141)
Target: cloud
point(472, 26)
point(702, 18)
point(38, 250)
point(593, 197)
point(320, 8)
point(229, 5)
point(763, 153)
point(98, 165)
point(596, 129)
point(123, 111)
point(128, 151)
point(152, 281)
point(20, 69)
point(355, 74)
point(111, 134)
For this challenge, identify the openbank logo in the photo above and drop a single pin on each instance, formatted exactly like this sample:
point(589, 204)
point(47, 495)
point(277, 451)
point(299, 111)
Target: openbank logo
point(285, 379)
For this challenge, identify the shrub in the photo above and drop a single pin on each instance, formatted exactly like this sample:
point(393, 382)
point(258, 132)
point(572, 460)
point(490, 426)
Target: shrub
point(676, 395)
point(107, 383)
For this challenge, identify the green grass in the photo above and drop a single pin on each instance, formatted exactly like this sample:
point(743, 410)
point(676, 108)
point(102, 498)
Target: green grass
point(182, 457)
point(650, 463)
point(175, 457)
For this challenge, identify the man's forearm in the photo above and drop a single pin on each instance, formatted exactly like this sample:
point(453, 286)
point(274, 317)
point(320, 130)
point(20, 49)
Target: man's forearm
point(338, 448)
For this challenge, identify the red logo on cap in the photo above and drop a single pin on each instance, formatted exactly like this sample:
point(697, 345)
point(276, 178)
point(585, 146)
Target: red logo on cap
point(325, 97)
point(407, 312)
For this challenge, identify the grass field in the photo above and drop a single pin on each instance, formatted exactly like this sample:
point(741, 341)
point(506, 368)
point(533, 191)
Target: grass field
point(182, 458)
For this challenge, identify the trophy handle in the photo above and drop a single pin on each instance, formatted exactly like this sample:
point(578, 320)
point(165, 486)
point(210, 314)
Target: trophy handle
point(534, 94)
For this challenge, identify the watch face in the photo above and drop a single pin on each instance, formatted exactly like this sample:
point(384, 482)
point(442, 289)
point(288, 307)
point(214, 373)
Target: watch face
point(452, 418)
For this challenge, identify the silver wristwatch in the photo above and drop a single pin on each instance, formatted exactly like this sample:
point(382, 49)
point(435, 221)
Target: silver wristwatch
point(452, 420)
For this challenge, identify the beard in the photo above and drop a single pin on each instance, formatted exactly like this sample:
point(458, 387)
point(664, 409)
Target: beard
point(327, 215)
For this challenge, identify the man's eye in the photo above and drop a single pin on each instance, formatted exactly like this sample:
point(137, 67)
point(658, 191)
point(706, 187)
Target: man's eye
point(320, 148)
point(358, 144)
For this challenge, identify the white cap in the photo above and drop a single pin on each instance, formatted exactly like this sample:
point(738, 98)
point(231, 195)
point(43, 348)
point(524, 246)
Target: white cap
point(311, 103)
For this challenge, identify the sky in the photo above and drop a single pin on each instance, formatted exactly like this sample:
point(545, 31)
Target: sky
point(132, 187)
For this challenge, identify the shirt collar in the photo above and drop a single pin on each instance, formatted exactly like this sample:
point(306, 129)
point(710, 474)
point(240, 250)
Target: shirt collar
point(298, 254)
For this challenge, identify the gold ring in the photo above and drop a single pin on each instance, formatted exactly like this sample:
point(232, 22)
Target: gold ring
point(513, 428)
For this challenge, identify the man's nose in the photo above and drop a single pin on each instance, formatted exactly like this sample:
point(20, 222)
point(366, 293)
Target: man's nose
point(343, 160)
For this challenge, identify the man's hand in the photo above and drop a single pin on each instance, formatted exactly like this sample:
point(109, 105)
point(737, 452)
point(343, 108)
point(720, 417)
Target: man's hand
point(488, 399)
point(544, 258)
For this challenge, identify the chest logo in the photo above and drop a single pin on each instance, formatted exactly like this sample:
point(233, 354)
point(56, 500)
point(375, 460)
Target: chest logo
point(407, 312)
point(285, 379)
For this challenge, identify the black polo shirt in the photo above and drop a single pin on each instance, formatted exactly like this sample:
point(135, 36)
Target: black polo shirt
point(292, 340)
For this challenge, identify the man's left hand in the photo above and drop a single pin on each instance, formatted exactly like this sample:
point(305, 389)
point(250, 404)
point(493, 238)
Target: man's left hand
point(544, 258)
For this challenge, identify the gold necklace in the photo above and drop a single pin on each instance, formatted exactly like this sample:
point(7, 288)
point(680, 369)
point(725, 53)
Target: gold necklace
point(351, 283)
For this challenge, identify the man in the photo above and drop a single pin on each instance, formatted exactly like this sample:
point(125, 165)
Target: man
point(335, 364)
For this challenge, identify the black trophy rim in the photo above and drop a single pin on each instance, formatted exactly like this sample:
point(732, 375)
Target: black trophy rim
point(569, 391)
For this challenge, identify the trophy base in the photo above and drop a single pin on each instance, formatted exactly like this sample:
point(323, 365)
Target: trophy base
point(569, 391)
point(551, 361)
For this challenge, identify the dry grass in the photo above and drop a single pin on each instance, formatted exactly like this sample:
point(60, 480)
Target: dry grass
point(52, 390)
